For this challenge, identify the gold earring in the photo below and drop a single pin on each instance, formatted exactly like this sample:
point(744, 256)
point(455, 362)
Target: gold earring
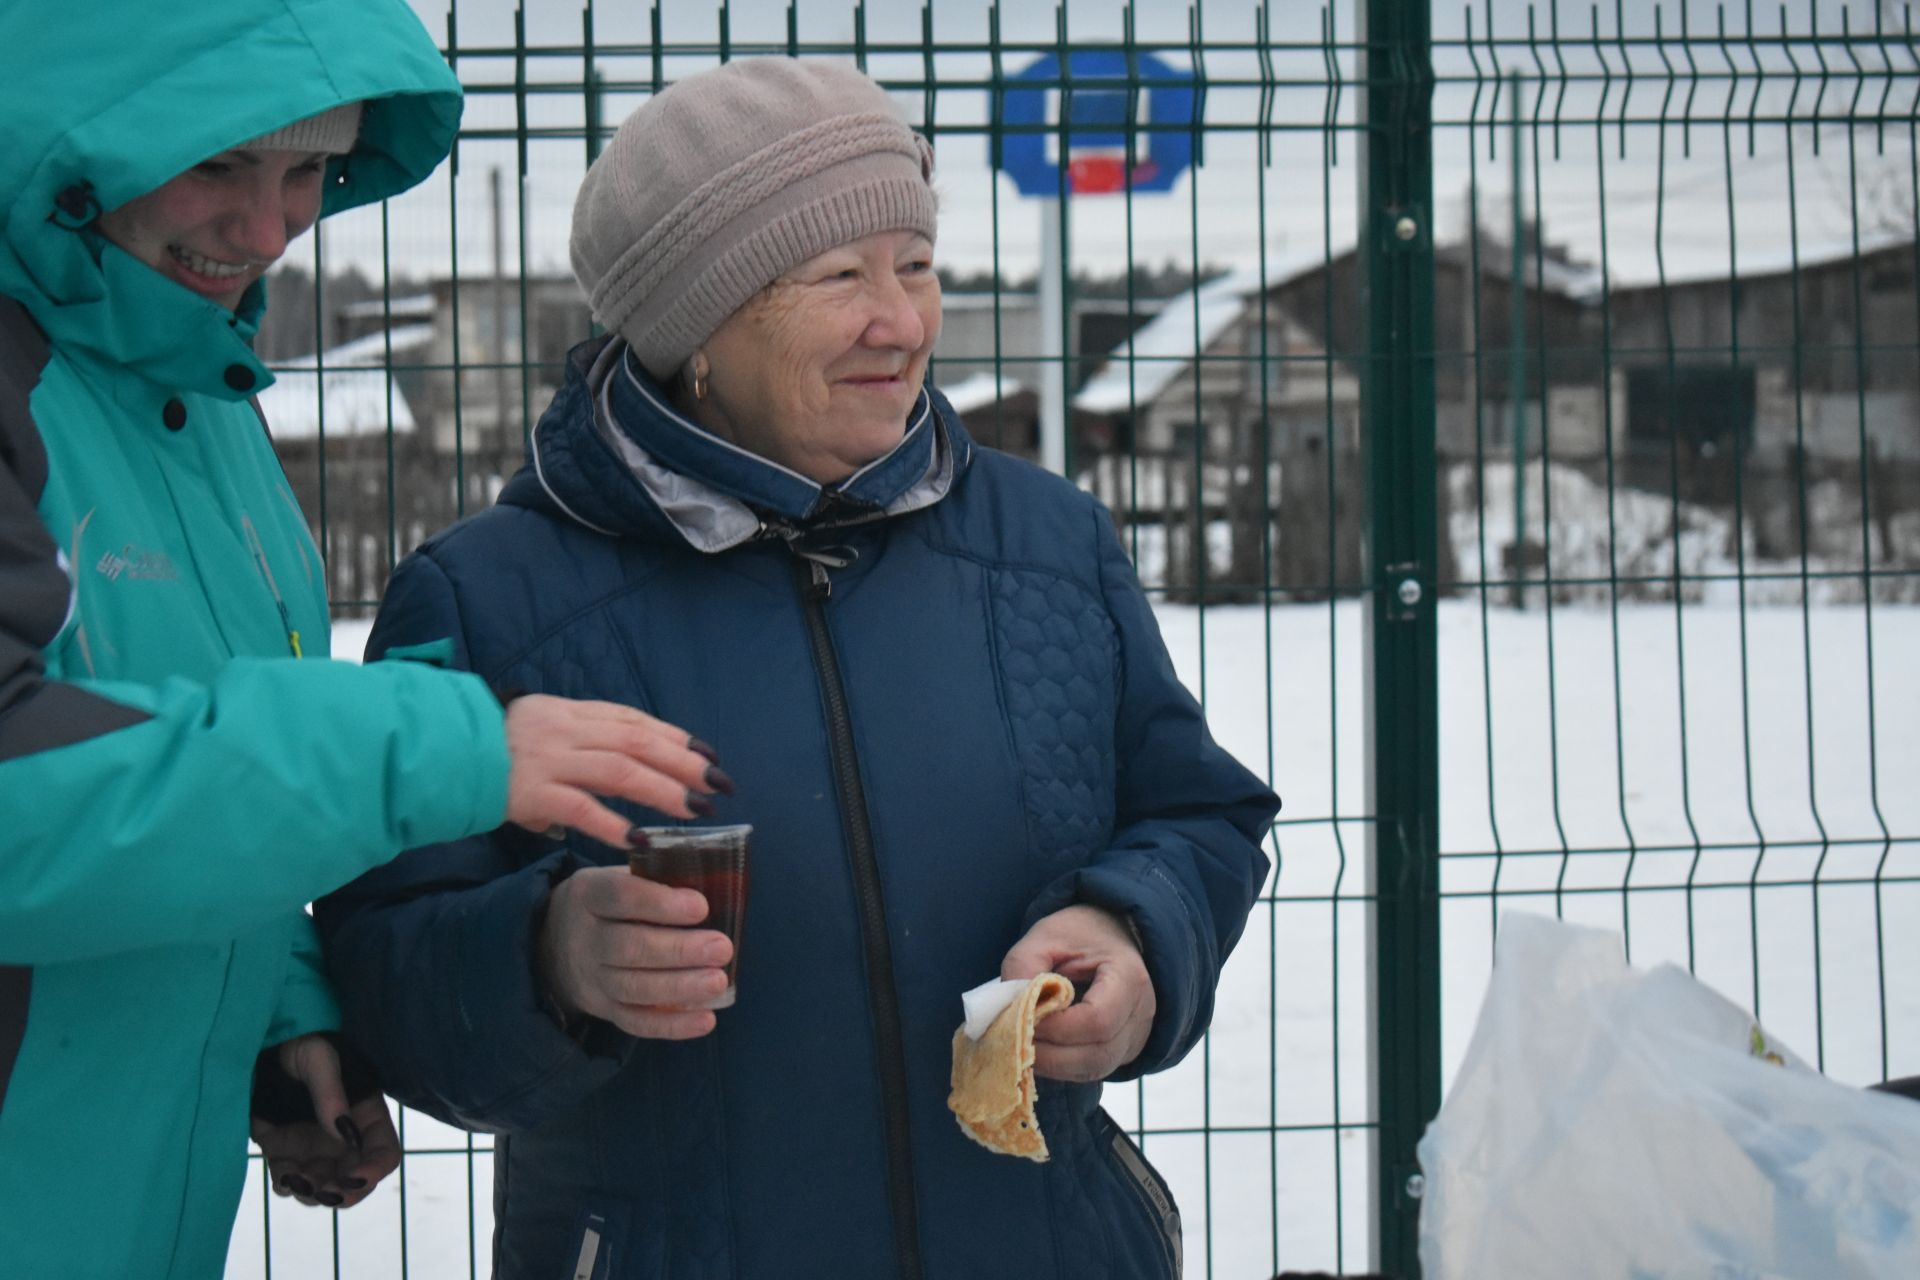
point(698, 369)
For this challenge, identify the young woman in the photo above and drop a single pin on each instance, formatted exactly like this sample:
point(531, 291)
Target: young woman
point(174, 784)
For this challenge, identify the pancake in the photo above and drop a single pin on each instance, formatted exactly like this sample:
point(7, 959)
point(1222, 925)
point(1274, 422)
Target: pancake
point(993, 1089)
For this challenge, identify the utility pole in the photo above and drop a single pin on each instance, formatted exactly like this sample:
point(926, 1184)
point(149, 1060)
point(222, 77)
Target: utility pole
point(497, 349)
point(1517, 350)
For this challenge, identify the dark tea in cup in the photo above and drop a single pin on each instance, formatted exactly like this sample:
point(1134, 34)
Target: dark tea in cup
point(712, 860)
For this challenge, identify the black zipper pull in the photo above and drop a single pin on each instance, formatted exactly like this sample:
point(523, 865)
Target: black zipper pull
point(822, 584)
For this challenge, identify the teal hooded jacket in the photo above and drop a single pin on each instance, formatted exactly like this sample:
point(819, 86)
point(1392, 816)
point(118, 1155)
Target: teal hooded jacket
point(174, 786)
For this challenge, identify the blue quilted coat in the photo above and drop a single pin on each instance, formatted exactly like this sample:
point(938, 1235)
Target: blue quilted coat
point(948, 711)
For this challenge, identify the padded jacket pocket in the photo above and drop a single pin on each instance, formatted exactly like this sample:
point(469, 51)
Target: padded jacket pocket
point(1148, 1189)
point(594, 1260)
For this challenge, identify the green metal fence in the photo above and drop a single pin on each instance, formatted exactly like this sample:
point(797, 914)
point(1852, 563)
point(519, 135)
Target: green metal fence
point(1515, 411)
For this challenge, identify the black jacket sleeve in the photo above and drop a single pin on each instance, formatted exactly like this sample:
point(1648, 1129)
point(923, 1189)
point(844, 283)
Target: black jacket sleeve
point(36, 591)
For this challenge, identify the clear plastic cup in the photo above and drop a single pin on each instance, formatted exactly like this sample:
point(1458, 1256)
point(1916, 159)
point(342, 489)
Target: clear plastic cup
point(712, 860)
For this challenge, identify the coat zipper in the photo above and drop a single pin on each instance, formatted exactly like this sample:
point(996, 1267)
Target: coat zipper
point(815, 589)
point(266, 571)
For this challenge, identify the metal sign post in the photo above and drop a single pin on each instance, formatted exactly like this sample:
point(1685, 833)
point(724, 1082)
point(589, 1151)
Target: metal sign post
point(1097, 104)
point(1053, 329)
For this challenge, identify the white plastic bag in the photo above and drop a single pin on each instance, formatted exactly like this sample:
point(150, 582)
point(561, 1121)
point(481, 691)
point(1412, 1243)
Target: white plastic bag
point(1615, 1123)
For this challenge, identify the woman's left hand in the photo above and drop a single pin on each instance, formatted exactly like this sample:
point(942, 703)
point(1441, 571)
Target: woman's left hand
point(1108, 1025)
point(337, 1160)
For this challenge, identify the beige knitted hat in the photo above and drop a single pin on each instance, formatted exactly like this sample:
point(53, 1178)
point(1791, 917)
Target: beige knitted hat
point(332, 131)
point(715, 187)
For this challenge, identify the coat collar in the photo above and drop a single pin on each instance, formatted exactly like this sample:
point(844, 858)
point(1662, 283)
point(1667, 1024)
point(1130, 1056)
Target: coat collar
point(633, 404)
point(135, 318)
point(613, 454)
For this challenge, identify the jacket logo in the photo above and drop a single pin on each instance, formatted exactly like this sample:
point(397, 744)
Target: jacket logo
point(136, 562)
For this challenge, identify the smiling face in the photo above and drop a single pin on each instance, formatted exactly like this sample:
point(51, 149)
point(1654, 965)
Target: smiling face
point(216, 228)
point(819, 371)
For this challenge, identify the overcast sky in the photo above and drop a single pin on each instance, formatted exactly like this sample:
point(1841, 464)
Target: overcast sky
point(1676, 196)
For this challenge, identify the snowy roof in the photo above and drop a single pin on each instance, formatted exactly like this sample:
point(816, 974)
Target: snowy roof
point(371, 349)
point(353, 403)
point(985, 299)
point(977, 391)
point(1572, 279)
point(1697, 269)
point(1293, 261)
point(1142, 366)
point(414, 304)
point(352, 398)
point(1581, 281)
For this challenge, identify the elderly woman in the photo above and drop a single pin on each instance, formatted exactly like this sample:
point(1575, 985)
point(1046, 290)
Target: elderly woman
point(943, 698)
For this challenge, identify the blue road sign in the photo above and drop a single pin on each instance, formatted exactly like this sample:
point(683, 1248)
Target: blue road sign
point(1096, 117)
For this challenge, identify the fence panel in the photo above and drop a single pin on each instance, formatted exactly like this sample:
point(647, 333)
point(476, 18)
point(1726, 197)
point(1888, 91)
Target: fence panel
point(1512, 409)
point(1676, 353)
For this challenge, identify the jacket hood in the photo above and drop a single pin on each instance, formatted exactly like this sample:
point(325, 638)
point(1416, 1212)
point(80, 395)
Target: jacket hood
point(107, 100)
point(611, 453)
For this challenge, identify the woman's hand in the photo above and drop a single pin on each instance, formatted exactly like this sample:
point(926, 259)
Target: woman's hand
point(337, 1158)
point(1108, 1025)
point(565, 752)
point(618, 947)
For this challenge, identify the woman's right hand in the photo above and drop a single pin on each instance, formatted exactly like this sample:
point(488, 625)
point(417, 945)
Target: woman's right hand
point(620, 948)
point(564, 752)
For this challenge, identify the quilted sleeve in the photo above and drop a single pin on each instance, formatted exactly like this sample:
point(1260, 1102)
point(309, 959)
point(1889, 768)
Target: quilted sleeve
point(475, 1046)
point(1184, 864)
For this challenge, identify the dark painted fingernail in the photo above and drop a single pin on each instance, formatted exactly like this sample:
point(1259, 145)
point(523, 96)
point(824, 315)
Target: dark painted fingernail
point(637, 838)
point(700, 748)
point(329, 1199)
point(717, 780)
point(555, 832)
point(700, 806)
point(350, 1131)
point(299, 1185)
point(353, 1184)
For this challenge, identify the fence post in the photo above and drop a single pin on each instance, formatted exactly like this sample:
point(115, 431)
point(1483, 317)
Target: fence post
point(1397, 440)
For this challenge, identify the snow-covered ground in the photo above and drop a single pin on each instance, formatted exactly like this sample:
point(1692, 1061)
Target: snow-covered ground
point(1764, 757)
